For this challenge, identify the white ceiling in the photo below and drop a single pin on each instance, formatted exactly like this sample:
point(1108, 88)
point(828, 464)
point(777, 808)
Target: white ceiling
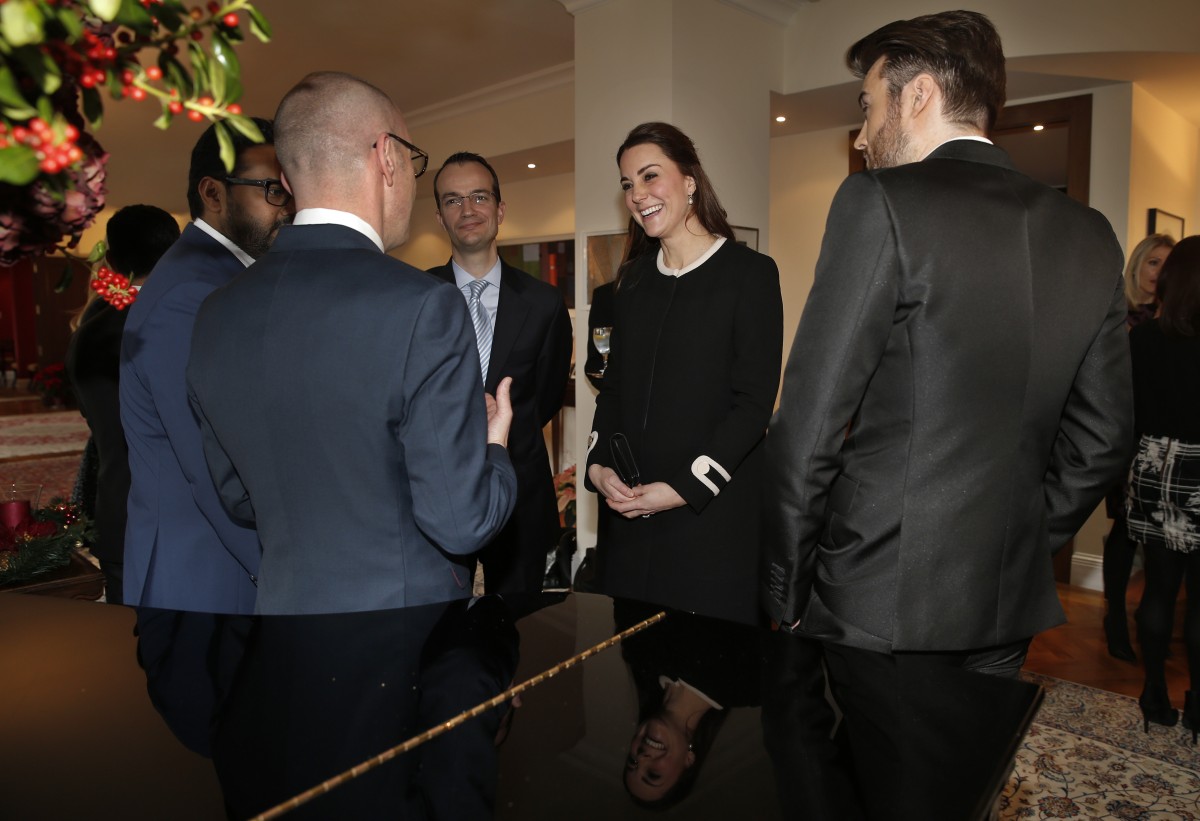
point(420, 53)
point(425, 53)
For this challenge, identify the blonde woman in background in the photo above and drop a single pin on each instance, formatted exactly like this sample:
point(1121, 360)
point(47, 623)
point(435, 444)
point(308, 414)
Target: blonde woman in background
point(1141, 279)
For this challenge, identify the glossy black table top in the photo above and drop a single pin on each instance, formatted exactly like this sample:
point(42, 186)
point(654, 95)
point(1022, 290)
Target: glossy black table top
point(86, 732)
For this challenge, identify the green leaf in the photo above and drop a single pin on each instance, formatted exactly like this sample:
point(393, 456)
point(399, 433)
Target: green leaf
point(21, 22)
point(10, 93)
point(174, 74)
point(45, 109)
point(39, 67)
point(64, 282)
point(98, 252)
point(18, 112)
point(106, 10)
point(199, 61)
point(259, 26)
point(171, 18)
point(93, 106)
point(164, 119)
point(230, 70)
point(70, 21)
point(228, 155)
point(18, 165)
point(245, 125)
point(177, 76)
point(216, 82)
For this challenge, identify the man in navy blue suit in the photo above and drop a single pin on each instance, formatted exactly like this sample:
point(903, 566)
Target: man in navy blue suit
point(183, 551)
point(339, 388)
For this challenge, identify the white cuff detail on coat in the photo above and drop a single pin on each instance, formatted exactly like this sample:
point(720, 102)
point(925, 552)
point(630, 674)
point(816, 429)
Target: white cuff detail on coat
point(700, 469)
point(593, 438)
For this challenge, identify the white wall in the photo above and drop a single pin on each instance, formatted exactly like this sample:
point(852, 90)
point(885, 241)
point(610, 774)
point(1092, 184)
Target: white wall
point(1163, 164)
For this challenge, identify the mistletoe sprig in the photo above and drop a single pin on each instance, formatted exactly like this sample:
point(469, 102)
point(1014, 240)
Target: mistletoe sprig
point(60, 56)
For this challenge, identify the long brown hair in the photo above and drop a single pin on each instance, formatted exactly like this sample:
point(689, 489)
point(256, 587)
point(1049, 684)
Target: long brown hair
point(1178, 289)
point(679, 149)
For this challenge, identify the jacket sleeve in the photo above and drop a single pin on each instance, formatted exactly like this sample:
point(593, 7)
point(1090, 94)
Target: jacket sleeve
point(757, 354)
point(608, 403)
point(170, 324)
point(554, 364)
point(463, 489)
point(1095, 439)
point(842, 335)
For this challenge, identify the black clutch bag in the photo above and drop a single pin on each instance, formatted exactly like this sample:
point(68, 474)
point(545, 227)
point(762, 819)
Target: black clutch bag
point(623, 461)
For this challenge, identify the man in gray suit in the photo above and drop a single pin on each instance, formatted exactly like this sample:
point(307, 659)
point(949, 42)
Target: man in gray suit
point(956, 402)
point(338, 388)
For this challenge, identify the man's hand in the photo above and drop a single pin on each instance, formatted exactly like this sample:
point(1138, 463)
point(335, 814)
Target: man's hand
point(499, 413)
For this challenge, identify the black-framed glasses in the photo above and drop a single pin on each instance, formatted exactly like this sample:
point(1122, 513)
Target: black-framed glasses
point(418, 158)
point(274, 191)
point(480, 199)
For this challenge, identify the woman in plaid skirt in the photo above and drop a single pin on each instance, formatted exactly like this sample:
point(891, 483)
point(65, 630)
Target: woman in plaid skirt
point(1164, 481)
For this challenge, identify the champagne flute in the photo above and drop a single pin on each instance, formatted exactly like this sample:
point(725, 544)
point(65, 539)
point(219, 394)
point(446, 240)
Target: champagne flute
point(601, 338)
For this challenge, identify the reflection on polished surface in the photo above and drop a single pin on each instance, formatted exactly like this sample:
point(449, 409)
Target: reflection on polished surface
point(690, 718)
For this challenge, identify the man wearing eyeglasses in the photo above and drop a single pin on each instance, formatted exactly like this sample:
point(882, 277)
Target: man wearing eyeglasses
point(339, 388)
point(522, 330)
point(182, 549)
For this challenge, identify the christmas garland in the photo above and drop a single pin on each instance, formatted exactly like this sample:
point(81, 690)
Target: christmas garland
point(43, 543)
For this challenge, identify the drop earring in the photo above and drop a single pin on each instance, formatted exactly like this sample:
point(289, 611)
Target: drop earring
point(689, 199)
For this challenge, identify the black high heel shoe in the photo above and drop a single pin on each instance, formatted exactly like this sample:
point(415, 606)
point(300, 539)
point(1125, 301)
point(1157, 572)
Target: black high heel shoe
point(1157, 707)
point(1191, 712)
point(1116, 634)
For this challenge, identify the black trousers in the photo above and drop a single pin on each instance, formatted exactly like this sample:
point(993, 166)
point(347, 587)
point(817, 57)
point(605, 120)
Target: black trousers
point(927, 731)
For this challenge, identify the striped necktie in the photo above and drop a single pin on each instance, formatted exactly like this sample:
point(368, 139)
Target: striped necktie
point(483, 323)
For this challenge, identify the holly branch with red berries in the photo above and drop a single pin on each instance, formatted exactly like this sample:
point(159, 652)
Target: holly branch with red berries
point(62, 58)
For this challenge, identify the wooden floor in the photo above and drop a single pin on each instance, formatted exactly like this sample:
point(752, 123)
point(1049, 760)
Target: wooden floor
point(1077, 651)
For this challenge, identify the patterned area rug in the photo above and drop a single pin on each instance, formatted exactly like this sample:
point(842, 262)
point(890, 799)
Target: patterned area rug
point(1086, 757)
point(56, 474)
point(41, 434)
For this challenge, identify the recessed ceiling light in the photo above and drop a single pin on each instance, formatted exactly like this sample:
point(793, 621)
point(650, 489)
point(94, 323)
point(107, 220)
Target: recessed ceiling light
point(781, 119)
point(531, 165)
point(1039, 127)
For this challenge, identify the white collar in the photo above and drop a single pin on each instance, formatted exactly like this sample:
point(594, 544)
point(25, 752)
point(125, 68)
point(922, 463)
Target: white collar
point(971, 137)
point(327, 216)
point(703, 258)
point(242, 256)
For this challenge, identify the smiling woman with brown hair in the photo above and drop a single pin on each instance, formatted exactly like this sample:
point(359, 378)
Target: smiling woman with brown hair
point(692, 376)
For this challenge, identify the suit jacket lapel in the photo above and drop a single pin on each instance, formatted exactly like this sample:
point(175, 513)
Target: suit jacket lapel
point(510, 318)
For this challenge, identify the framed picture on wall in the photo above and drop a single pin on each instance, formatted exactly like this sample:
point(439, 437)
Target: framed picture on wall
point(604, 252)
point(1159, 221)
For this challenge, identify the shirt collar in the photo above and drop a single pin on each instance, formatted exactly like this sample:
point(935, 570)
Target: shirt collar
point(971, 137)
point(242, 256)
point(327, 216)
point(462, 278)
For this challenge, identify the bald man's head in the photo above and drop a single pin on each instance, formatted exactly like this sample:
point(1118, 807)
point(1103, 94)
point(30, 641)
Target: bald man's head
point(325, 126)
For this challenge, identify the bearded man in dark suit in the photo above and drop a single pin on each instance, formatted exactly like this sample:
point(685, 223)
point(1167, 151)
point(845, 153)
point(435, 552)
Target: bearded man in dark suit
point(956, 402)
point(527, 336)
point(338, 388)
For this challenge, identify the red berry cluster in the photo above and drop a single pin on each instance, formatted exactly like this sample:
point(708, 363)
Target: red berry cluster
point(55, 151)
point(113, 288)
point(99, 51)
